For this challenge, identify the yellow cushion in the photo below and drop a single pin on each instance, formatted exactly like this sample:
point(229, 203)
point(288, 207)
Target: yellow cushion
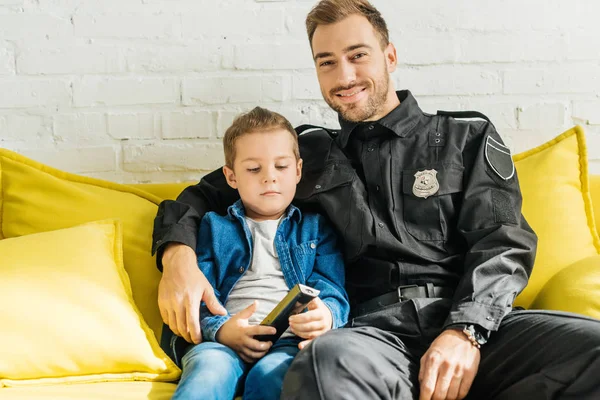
point(93, 391)
point(68, 314)
point(575, 288)
point(37, 198)
point(165, 191)
point(595, 190)
point(557, 205)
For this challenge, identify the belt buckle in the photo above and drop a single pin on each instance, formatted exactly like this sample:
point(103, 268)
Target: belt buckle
point(400, 288)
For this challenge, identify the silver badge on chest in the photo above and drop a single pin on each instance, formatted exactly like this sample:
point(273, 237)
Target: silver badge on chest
point(426, 183)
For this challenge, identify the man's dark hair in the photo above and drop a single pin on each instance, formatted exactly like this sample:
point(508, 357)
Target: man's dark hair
point(331, 11)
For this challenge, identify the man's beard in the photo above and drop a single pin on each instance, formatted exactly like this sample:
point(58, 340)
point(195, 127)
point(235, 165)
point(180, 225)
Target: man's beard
point(356, 113)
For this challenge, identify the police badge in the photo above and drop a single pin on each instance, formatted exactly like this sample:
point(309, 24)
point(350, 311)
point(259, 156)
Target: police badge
point(426, 183)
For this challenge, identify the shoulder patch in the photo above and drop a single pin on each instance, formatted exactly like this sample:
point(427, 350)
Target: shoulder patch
point(499, 158)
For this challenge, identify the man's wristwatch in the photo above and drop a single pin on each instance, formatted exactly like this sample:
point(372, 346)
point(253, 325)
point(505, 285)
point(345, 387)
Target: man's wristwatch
point(474, 335)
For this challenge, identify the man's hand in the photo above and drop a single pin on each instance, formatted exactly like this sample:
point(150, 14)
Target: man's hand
point(315, 322)
point(449, 367)
point(238, 335)
point(181, 289)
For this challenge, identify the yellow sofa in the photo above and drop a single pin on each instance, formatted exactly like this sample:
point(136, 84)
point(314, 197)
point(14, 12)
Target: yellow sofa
point(37, 201)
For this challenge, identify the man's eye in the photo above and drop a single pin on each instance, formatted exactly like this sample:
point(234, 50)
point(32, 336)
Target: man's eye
point(253, 170)
point(359, 55)
point(326, 63)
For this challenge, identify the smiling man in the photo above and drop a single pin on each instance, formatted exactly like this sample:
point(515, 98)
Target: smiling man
point(359, 90)
point(436, 247)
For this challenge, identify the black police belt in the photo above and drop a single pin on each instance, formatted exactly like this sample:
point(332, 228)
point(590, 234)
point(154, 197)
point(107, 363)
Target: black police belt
point(402, 293)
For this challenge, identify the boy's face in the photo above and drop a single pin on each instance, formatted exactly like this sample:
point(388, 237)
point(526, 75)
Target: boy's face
point(265, 173)
point(353, 70)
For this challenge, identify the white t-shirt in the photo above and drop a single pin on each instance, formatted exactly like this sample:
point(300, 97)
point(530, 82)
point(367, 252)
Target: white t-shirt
point(264, 280)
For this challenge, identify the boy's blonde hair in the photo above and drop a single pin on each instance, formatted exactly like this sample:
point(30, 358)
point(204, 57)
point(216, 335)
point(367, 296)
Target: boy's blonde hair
point(257, 119)
point(331, 11)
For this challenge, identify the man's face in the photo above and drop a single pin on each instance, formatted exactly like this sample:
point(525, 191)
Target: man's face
point(353, 70)
point(265, 173)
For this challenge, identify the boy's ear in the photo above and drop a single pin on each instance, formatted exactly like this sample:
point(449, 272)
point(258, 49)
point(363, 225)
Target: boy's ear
point(230, 176)
point(298, 170)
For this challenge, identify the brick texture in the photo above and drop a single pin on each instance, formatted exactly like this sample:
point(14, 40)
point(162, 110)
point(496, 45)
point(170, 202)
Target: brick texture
point(143, 90)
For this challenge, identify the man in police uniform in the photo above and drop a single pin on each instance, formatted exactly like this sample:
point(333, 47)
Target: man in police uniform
point(428, 207)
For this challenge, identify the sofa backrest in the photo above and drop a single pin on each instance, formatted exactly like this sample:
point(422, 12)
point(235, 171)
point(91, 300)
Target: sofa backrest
point(165, 191)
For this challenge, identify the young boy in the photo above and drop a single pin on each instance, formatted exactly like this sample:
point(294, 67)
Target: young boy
point(252, 256)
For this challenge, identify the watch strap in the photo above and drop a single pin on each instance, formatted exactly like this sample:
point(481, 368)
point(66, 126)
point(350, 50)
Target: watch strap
point(476, 337)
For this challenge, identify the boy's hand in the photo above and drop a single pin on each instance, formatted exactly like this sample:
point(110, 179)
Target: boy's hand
point(238, 335)
point(315, 322)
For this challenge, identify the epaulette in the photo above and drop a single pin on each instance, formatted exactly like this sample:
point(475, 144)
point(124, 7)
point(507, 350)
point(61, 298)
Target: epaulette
point(463, 114)
point(300, 129)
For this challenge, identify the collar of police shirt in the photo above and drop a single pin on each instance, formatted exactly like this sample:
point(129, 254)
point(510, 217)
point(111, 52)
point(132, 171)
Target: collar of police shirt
point(401, 120)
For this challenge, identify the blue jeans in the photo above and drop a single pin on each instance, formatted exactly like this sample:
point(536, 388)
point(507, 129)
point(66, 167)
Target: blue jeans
point(212, 371)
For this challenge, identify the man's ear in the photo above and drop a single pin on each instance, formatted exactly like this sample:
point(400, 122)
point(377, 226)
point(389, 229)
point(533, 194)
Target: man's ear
point(230, 176)
point(391, 59)
point(298, 170)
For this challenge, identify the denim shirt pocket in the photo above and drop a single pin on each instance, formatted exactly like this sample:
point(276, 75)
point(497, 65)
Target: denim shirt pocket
point(304, 255)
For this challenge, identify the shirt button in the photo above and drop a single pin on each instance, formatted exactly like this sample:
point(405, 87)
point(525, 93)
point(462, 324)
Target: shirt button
point(370, 149)
point(489, 318)
point(380, 224)
point(371, 127)
point(313, 246)
point(241, 270)
point(317, 187)
point(377, 188)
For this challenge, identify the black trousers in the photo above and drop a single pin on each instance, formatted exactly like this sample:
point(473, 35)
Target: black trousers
point(534, 355)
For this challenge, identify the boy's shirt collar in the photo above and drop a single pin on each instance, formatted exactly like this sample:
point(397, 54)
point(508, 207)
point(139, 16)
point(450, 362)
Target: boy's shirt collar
point(237, 210)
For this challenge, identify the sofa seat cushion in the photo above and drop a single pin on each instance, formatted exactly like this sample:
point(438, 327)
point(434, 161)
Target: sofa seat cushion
point(37, 198)
point(575, 288)
point(68, 314)
point(557, 204)
point(93, 391)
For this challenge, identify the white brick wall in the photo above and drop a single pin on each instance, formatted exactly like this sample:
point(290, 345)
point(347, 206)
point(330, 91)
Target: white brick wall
point(143, 90)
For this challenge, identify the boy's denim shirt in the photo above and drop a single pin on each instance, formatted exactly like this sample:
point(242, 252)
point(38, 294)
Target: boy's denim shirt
point(308, 253)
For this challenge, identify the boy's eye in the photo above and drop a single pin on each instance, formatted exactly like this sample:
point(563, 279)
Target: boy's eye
point(253, 169)
point(281, 166)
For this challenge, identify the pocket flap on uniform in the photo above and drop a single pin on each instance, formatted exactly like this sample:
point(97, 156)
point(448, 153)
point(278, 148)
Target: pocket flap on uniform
point(332, 176)
point(435, 181)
